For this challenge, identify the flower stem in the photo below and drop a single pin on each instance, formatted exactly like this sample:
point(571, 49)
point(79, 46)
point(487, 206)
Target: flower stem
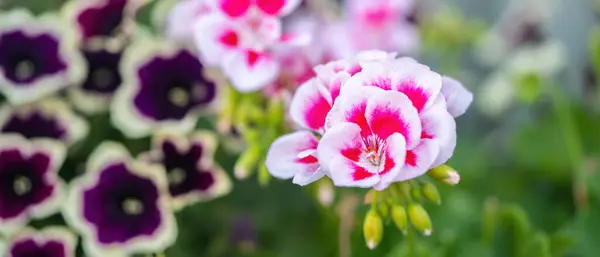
point(574, 147)
point(412, 244)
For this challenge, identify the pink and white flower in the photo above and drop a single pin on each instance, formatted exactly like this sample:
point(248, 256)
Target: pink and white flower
point(239, 36)
point(381, 119)
point(374, 24)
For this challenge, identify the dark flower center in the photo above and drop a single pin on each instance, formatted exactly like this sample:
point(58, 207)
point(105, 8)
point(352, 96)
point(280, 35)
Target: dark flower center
point(179, 96)
point(21, 185)
point(103, 77)
point(24, 70)
point(132, 206)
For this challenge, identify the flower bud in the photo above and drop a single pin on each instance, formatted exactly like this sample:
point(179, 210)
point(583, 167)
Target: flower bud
point(445, 174)
point(247, 162)
point(369, 196)
point(400, 218)
point(430, 192)
point(373, 229)
point(419, 218)
point(384, 209)
point(263, 174)
point(415, 193)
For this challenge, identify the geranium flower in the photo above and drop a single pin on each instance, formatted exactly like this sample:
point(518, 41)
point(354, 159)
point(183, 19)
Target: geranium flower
point(163, 88)
point(120, 206)
point(50, 118)
point(49, 242)
point(238, 37)
point(189, 166)
point(97, 18)
point(31, 187)
point(181, 15)
point(374, 24)
point(38, 56)
point(103, 78)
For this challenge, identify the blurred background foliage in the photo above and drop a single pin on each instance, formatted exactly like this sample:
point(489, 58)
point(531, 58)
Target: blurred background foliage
point(530, 182)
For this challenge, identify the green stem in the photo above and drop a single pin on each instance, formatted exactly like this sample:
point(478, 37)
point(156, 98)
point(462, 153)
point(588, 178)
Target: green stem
point(574, 147)
point(412, 244)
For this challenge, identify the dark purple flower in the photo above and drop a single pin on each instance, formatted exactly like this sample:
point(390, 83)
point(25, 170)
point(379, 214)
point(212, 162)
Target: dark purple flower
point(243, 234)
point(50, 242)
point(103, 79)
point(29, 183)
point(120, 202)
point(37, 56)
point(98, 18)
point(189, 167)
point(163, 87)
point(50, 118)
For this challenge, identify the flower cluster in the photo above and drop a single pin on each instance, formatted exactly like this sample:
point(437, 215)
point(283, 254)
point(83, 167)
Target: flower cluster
point(73, 79)
point(378, 119)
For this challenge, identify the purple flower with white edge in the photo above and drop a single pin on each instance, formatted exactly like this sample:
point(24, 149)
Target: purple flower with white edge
point(30, 187)
point(38, 56)
point(164, 87)
point(191, 172)
point(97, 18)
point(103, 79)
point(49, 242)
point(50, 118)
point(120, 206)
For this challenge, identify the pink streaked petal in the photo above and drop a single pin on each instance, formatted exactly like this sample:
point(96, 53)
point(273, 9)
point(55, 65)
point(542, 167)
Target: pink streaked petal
point(458, 98)
point(351, 107)
point(284, 158)
point(395, 153)
point(249, 71)
point(310, 106)
point(234, 8)
point(305, 178)
point(346, 173)
point(419, 160)
point(439, 125)
point(180, 17)
point(390, 112)
point(270, 7)
point(343, 141)
point(418, 82)
point(209, 34)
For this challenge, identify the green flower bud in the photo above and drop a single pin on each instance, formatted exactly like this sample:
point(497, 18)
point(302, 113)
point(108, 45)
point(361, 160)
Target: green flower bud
point(247, 162)
point(373, 229)
point(415, 193)
point(384, 209)
point(400, 218)
point(430, 192)
point(419, 218)
point(263, 174)
point(445, 174)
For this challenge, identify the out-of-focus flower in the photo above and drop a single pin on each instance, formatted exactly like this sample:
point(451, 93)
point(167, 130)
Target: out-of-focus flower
point(120, 206)
point(103, 79)
point(31, 187)
point(38, 56)
point(97, 18)
point(522, 22)
point(536, 61)
point(190, 170)
point(243, 234)
point(178, 25)
point(239, 35)
point(374, 24)
point(50, 118)
point(164, 87)
point(49, 242)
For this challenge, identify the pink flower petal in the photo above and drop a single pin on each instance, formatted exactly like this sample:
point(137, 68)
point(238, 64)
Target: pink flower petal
point(249, 70)
point(293, 155)
point(418, 82)
point(458, 98)
point(351, 107)
point(395, 153)
point(439, 125)
point(234, 8)
point(419, 160)
point(390, 112)
point(271, 7)
point(214, 36)
point(310, 105)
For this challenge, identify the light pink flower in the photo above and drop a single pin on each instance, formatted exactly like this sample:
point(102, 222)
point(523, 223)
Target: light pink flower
point(458, 98)
point(239, 36)
point(374, 24)
point(294, 156)
point(182, 15)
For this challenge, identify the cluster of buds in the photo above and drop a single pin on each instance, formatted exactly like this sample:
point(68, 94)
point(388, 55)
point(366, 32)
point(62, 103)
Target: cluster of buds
point(401, 203)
